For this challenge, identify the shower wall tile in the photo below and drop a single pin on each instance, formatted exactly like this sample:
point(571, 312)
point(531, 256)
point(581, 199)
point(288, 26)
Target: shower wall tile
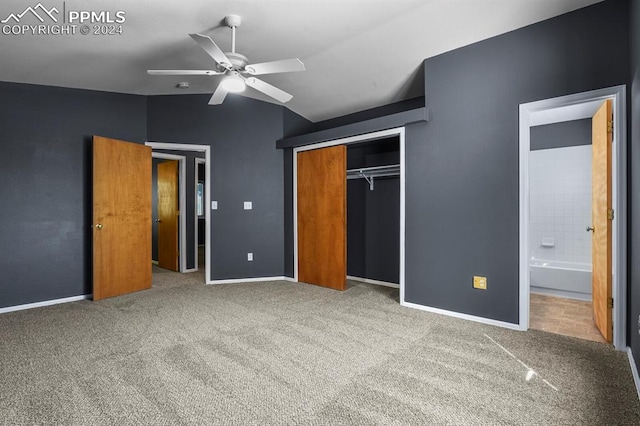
point(560, 203)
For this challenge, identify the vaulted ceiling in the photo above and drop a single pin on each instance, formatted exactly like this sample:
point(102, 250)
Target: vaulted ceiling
point(358, 54)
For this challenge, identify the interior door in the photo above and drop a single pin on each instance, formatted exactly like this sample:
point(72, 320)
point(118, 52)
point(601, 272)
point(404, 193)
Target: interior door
point(121, 217)
point(602, 216)
point(168, 215)
point(322, 217)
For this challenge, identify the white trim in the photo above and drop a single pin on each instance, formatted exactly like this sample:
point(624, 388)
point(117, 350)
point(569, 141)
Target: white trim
point(44, 303)
point(537, 112)
point(634, 371)
point(182, 184)
point(400, 133)
point(467, 317)
point(207, 182)
point(198, 161)
point(289, 279)
point(249, 280)
point(374, 282)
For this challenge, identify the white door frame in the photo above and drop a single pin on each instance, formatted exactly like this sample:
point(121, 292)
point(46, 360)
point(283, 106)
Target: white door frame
point(207, 196)
point(567, 108)
point(399, 132)
point(182, 222)
point(197, 162)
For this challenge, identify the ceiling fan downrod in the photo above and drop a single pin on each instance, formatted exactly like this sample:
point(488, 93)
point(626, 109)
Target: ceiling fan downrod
point(233, 21)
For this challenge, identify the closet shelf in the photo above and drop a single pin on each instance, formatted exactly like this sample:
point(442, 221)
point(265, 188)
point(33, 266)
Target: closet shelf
point(369, 173)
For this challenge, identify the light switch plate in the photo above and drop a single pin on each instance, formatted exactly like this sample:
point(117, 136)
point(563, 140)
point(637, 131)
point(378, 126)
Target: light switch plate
point(249, 257)
point(248, 205)
point(214, 205)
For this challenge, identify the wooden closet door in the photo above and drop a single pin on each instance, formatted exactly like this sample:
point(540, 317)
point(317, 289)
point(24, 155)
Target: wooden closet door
point(322, 217)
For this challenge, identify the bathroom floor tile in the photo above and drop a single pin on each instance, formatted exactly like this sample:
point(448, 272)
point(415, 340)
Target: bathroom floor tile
point(563, 316)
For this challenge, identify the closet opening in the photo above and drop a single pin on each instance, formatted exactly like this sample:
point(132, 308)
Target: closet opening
point(373, 213)
point(349, 196)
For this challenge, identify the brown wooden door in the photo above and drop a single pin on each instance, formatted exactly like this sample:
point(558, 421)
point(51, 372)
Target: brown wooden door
point(121, 217)
point(322, 217)
point(601, 218)
point(168, 215)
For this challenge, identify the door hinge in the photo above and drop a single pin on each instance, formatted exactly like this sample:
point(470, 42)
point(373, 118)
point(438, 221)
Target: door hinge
point(610, 303)
point(611, 214)
point(178, 213)
point(610, 126)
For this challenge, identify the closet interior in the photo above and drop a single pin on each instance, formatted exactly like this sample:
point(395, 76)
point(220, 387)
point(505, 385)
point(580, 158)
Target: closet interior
point(373, 211)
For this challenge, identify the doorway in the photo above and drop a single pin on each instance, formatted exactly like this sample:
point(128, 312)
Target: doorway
point(558, 111)
point(397, 133)
point(200, 190)
point(206, 150)
point(159, 244)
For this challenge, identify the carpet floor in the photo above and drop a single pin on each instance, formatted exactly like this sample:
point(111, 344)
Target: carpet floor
point(289, 353)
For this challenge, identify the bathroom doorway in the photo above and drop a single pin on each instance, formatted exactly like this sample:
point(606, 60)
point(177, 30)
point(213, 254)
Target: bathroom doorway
point(556, 221)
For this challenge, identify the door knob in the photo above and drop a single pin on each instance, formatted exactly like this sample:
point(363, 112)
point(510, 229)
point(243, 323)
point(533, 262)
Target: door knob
point(158, 221)
point(589, 228)
point(98, 226)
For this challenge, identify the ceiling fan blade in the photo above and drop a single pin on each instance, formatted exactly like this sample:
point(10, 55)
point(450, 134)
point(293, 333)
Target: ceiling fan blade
point(285, 65)
point(268, 89)
point(183, 72)
point(218, 95)
point(212, 49)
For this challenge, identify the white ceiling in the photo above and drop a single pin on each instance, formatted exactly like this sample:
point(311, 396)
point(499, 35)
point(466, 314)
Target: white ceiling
point(359, 54)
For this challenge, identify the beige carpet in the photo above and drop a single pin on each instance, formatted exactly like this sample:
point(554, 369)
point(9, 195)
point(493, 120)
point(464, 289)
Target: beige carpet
point(288, 353)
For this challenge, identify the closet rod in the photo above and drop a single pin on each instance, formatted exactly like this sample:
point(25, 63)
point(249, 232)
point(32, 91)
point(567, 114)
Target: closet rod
point(369, 173)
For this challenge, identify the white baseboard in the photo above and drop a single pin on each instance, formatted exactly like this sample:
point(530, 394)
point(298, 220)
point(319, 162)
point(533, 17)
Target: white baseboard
point(291, 280)
point(467, 317)
point(187, 271)
point(561, 293)
point(247, 280)
point(44, 303)
point(374, 282)
point(155, 262)
point(634, 370)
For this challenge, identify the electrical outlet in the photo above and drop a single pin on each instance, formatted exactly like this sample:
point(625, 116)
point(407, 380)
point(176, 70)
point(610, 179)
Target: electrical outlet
point(248, 205)
point(249, 257)
point(480, 282)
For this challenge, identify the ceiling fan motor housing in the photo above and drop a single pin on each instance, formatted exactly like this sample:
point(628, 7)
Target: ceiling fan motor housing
point(238, 61)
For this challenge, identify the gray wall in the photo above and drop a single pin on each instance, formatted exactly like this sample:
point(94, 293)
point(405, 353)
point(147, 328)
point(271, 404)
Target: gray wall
point(245, 167)
point(45, 185)
point(462, 166)
point(634, 184)
point(561, 135)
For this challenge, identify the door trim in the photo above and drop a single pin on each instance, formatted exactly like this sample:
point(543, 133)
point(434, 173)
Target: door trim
point(400, 133)
point(207, 196)
point(566, 108)
point(182, 184)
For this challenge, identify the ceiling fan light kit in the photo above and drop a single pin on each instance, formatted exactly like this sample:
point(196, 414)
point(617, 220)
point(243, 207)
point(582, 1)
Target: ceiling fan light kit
point(233, 82)
point(234, 66)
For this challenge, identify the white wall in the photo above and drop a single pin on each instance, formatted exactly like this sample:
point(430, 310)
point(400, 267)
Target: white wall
point(560, 203)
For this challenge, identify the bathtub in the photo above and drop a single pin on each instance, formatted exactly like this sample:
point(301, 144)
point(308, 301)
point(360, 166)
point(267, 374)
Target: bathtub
point(566, 279)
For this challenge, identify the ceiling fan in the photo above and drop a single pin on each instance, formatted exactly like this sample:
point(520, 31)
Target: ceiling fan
point(236, 68)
